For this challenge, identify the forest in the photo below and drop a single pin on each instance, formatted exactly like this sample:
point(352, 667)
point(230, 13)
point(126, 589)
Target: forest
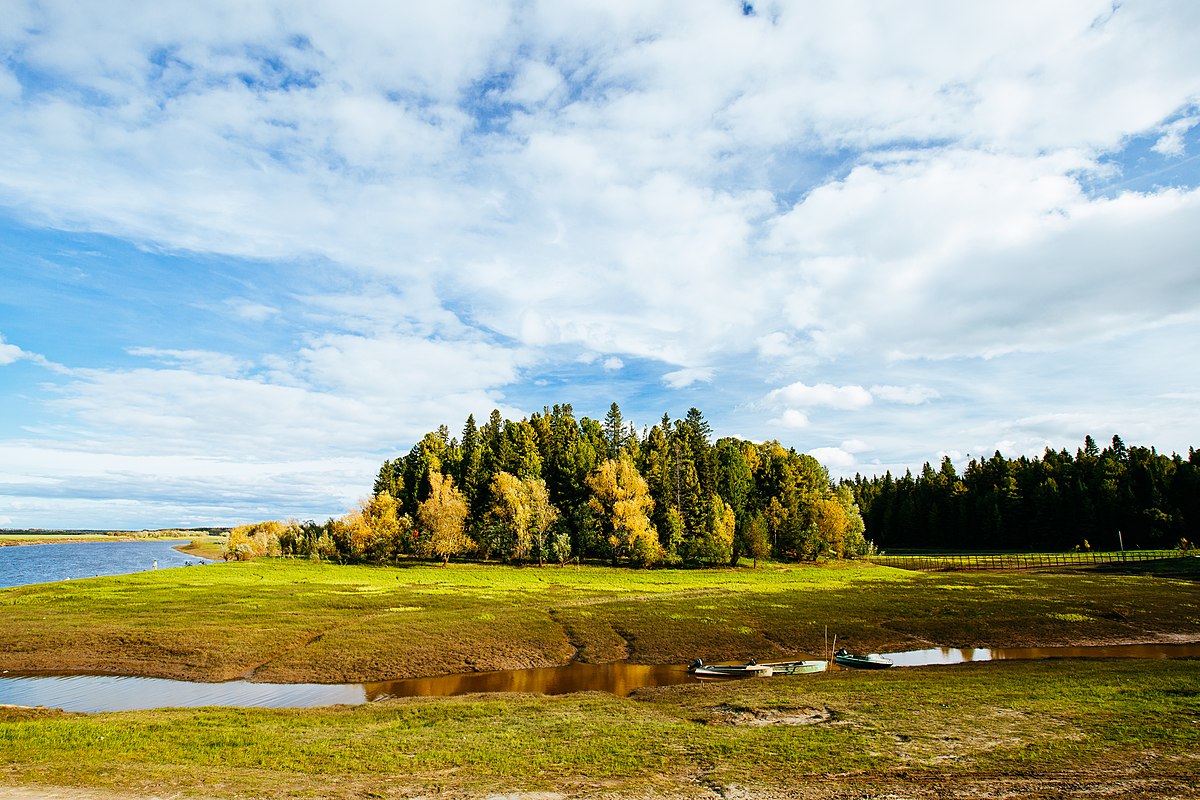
point(1130, 497)
point(553, 488)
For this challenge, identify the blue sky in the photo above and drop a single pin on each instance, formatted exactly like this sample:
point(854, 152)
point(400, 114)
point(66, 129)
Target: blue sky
point(247, 253)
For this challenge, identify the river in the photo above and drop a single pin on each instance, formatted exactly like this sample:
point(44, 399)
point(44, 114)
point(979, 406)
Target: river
point(91, 693)
point(63, 561)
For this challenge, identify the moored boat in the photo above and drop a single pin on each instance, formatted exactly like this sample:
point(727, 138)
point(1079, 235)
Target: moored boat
point(796, 667)
point(751, 670)
point(855, 661)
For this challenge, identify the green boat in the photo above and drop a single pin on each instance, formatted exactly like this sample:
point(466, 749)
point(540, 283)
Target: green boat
point(870, 661)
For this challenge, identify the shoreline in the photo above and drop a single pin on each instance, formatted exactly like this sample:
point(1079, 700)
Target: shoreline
point(1168, 640)
point(1047, 729)
point(302, 622)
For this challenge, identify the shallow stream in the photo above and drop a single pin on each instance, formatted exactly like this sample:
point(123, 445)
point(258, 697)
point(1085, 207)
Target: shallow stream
point(90, 693)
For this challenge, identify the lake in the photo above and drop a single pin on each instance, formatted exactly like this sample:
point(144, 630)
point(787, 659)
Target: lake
point(61, 561)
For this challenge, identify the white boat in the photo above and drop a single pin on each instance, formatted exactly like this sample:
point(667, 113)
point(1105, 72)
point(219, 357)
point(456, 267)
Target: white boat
point(797, 667)
point(751, 670)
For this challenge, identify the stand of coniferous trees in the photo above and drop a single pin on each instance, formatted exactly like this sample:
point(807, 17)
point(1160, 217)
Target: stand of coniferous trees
point(1099, 499)
point(553, 488)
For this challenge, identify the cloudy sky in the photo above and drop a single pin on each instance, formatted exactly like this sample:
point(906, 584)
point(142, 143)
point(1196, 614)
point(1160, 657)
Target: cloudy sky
point(249, 250)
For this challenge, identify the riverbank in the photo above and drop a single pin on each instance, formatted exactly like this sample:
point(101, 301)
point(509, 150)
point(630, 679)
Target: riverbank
point(1029, 729)
point(209, 547)
point(11, 536)
point(300, 622)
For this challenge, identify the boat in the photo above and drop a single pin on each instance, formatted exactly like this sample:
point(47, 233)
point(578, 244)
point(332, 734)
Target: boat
point(796, 667)
point(751, 670)
point(869, 661)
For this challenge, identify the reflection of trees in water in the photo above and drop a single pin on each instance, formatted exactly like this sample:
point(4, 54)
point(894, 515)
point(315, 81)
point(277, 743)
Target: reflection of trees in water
point(619, 678)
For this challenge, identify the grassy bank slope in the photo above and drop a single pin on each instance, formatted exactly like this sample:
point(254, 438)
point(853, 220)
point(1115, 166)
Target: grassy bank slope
point(298, 621)
point(1033, 729)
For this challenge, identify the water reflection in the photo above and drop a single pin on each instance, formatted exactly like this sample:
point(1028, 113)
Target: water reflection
point(92, 693)
point(619, 679)
point(953, 655)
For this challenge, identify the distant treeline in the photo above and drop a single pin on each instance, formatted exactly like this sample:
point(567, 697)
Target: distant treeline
point(555, 488)
point(1056, 502)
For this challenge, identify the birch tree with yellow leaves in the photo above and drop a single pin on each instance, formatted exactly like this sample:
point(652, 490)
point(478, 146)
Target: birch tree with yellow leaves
point(622, 505)
point(441, 516)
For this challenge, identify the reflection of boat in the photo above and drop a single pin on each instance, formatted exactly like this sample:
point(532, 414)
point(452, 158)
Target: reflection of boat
point(796, 667)
point(752, 670)
point(870, 661)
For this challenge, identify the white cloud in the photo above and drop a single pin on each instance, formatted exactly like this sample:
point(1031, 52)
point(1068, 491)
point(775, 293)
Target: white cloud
point(199, 360)
point(9, 353)
point(906, 395)
point(1172, 142)
point(681, 378)
point(791, 419)
point(254, 312)
point(955, 253)
point(835, 459)
point(823, 394)
point(10, 87)
point(777, 345)
point(611, 222)
point(192, 489)
point(535, 83)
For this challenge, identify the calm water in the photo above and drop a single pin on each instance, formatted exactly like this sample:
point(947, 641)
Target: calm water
point(61, 561)
point(91, 693)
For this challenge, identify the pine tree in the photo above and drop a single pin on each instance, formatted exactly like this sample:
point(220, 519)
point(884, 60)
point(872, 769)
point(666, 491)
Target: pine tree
point(615, 434)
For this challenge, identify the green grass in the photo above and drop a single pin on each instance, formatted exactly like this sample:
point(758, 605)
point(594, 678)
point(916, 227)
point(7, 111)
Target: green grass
point(1110, 719)
point(908, 732)
point(297, 621)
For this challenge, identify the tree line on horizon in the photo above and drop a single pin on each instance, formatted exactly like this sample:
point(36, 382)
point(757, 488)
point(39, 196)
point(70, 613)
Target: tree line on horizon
point(554, 488)
point(1133, 497)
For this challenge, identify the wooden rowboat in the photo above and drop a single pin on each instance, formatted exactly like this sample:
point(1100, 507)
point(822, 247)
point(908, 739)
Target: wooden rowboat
point(752, 670)
point(870, 661)
point(796, 667)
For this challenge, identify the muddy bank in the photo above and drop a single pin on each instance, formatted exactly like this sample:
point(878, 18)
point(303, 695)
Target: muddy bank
point(297, 622)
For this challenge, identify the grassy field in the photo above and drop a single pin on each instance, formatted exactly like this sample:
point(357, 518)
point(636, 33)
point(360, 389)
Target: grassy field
point(1032, 729)
point(297, 621)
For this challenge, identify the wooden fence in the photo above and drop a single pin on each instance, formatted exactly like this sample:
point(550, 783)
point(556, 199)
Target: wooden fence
point(1008, 561)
